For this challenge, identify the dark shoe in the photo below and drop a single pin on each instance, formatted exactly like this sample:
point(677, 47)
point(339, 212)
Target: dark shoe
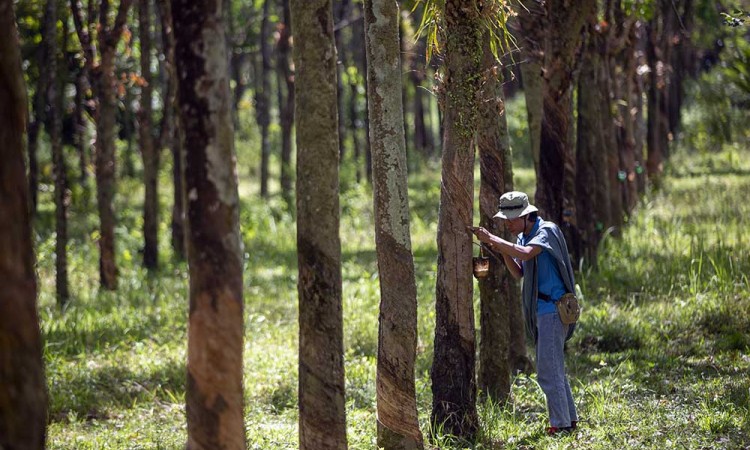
point(553, 431)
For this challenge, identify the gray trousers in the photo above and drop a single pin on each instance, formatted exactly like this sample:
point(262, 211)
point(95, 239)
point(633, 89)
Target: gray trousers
point(550, 367)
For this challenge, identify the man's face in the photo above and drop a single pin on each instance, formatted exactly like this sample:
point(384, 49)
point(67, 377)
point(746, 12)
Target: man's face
point(516, 225)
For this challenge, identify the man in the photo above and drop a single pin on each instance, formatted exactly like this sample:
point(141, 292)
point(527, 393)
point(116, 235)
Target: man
point(540, 256)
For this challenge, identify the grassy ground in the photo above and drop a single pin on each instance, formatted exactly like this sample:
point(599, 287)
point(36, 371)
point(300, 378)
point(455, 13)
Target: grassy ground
point(661, 358)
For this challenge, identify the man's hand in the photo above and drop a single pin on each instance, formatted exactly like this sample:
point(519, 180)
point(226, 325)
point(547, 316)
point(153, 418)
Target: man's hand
point(482, 234)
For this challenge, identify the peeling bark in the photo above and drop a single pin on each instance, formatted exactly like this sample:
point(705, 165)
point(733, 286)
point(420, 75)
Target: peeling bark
point(215, 329)
point(322, 412)
point(23, 394)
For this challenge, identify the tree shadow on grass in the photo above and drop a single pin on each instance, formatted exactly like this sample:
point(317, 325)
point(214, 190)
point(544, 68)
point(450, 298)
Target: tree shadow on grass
point(94, 394)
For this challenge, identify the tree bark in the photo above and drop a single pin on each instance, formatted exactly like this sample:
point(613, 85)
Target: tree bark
point(286, 105)
point(423, 141)
point(148, 150)
point(23, 393)
point(215, 331)
point(398, 425)
point(106, 90)
point(592, 181)
point(555, 192)
point(322, 412)
point(453, 372)
point(532, 23)
point(498, 289)
point(54, 123)
point(357, 121)
point(655, 141)
point(81, 84)
point(340, 11)
point(172, 134)
point(84, 83)
point(263, 97)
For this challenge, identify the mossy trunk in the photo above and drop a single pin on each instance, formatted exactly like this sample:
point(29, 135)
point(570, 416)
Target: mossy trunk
point(215, 326)
point(322, 411)
point(23, 391)
point(453, 368)
point(398, 425)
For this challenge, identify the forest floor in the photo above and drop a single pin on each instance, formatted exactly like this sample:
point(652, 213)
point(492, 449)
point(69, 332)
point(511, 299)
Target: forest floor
point(661, 358)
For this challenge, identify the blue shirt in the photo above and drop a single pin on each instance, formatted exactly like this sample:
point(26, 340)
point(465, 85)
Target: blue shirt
point(548, 275)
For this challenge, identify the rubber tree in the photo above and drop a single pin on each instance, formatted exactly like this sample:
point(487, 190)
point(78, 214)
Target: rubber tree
point(453, 369)
point(149, 150)
point(398, 425)
point(555, 177)
point(499, 294)
point(23, 392)
point(215, 325)
point(322, 410)
point(105, 93)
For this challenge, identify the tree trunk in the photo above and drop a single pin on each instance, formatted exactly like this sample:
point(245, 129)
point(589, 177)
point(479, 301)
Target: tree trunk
point(263, 98)
point(632, 160)
point(496, 170)
point(105, 139)
point(85, 80)
point(54, 122)
point(532, 23)
point(322, 411)
point(214, 379)
point(81, 83)
point(453, 372)
point(592, 181)
point(105, 169)
point(639, 122)
point(23, 393)
point(286, 107)
point(655, 142)
point(555, 192)
point(357, 60)
point(398, 425)
point(148, 150)
point(172, 130)
point(340, 10)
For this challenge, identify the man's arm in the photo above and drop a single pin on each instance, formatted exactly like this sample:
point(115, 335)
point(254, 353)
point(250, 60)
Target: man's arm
point(521, 252)
point(508, 250)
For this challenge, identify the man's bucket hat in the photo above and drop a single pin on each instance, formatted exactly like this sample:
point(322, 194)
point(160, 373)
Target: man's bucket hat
point(514, 204)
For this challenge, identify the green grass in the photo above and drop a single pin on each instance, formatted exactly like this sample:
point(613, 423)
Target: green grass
point(661, 358)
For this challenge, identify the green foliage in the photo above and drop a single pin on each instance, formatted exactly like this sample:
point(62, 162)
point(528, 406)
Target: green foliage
point(493, 14)
point(660, 359)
